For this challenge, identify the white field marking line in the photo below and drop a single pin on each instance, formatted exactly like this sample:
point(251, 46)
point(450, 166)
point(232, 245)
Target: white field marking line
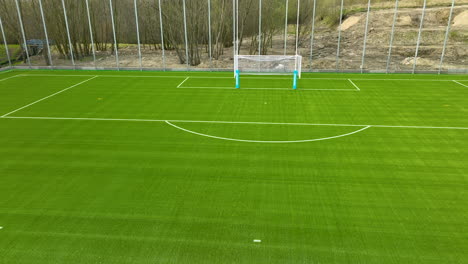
point(221, 122)
point(266, 141)
point(311, 89)
point(199, 87)
point(291, 89)
point(354, 84)
point(180, 84)
point(4, 79)
point(117, 76)
point(226, 77)
point(2, 72)
point(233, 88)
point(389, 79)
point(460, 83)
point(257, 241)
point(42, 99)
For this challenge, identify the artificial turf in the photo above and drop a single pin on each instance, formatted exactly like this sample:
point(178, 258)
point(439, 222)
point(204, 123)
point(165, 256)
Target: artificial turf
point(94, 174)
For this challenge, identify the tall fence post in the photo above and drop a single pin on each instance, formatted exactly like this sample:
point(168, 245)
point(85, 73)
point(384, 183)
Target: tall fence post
point(339, 37)
point(237, 27)
point(115, 35)
point(259, 27)
point(233, 29)
point(312, 35)
point(447, 31)
point(91, 33)
point(392, 34)
point(68, 34)
point(23, 34)
point(46, 34)
point(297, 25)
point(186, 38)
point(162, 36)
point(138, 34)
point(209, 34)
point(419, 37)
point(286, 26)
point(5, 42)
point(365, 37)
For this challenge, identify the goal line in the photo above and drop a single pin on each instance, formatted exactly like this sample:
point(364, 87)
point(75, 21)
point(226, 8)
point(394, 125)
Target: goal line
point(228, 83)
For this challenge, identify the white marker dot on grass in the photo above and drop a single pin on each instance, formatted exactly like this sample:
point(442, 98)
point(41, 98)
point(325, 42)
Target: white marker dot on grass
point(1, 227)
point(257, 241)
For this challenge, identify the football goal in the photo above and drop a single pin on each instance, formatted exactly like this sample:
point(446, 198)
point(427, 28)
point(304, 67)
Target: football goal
point(268, 65)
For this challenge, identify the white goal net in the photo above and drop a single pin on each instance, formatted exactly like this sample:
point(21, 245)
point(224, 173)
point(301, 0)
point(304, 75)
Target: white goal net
point(267, 64)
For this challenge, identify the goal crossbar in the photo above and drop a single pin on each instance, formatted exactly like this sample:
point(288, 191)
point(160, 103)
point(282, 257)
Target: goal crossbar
point(268, 64)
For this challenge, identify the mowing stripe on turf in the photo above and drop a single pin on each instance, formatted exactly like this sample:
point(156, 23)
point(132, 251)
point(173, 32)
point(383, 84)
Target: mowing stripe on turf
point(42, 99)
point(221, 122)
point(460, 83)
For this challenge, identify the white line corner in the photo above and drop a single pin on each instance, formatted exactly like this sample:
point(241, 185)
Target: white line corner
point(460, 83)
point(354, 84)
point(180, 84)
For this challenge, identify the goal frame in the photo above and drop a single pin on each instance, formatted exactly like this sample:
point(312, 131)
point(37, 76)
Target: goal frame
point(296, 72)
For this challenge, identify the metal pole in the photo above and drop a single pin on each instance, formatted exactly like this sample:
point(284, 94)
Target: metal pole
point(297, 24)
point(68, 33)
point(45, 33)
point(446, 36)
point(286, 26)
point(312, 34)
point(237, 27)
point(233, 29)
point(162, 35)
point(234, 37)
point(339, 36)
point(5, 42)
point(22, 33)
point(419, 36)
point(91, 33)
point(186, 39)
point(138, 34)
point(259, 27)
point(115, 37)
point(395, 14)
point(209, 33)
point(365, 36)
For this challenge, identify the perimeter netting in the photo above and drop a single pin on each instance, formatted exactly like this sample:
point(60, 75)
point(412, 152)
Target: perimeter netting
point(268, 64)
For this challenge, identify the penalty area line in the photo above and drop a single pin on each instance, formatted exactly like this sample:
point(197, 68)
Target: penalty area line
point(354, 84)
point(44, 98)
point(460, 83)
point(180, 84)
point(4, 79)
point(221, 122)
point(265, 88)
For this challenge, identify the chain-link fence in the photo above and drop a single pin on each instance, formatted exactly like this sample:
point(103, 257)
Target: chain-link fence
point(331, 35)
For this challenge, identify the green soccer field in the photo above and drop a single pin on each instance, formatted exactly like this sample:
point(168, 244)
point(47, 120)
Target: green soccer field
point(180, 167)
